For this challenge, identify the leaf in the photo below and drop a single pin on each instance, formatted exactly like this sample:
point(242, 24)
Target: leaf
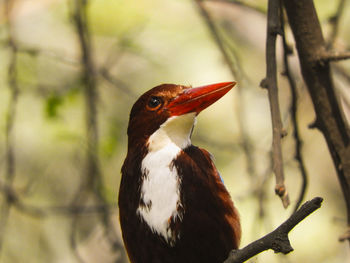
point(53, 103)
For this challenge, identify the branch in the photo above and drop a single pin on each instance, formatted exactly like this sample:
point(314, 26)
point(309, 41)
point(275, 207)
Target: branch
point(287, 50)
point(270, 83)
point(329, 56)
point(53, 54)
point(237, 73)
point(216, 36)
point(330, 119)
point(12, 197)
point(92, 181)
point(232, 60)
point(278, 239)
point(121, 85)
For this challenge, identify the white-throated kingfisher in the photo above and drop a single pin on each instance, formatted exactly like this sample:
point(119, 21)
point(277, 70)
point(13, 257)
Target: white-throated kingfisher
point(173, 205)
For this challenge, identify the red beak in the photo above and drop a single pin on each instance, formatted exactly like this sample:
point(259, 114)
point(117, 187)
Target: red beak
point(197, 99)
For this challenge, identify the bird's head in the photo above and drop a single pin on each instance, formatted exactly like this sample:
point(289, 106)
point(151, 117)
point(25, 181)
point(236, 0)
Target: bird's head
point(168, 111)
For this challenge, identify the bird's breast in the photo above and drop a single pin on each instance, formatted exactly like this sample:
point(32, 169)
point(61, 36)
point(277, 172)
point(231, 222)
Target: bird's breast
point(160, 203)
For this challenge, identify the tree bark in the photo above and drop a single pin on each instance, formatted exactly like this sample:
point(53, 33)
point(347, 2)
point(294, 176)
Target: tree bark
point(316, 71)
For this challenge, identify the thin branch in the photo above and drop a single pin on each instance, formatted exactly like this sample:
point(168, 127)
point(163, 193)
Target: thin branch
point(216, 36)
point(232, 60)
point(294, 110)
point(91, 178)
point(270, 83)
point(57, 55)
point(261, 191)
point(329, 56)
point(92, 181)
point(236, 72)
point(278, 239)
point(73, 240)
point(15, 199)
point(90, 88)
point(117, 83)
point(79, 209)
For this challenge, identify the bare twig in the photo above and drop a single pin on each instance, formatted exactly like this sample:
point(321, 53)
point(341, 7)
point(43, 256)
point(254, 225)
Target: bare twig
point(278, 239)
point(17, 202)
point(245, 142)
point(270, 83)
point(215, 34)
point(90, 88)
point(329, 56)
point(92, 181)
point(79, 210)
point(232, 60)
point(261, 190)
point(117, 83)
point(15, 199)
point(293, 110)
point(58, 56)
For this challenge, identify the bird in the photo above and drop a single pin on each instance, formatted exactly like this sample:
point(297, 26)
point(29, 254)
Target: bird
point(173, 204)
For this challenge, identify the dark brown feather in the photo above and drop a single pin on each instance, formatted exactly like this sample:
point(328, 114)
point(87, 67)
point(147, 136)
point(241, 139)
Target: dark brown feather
point(210, 227)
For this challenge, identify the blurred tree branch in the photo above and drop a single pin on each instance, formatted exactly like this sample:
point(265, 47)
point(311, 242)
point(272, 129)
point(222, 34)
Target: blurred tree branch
point(10, 171)
point(247, 147)
point(236, 73)
point(258, 181)
point(15, 199)
point(92, 181)
point(116, 82)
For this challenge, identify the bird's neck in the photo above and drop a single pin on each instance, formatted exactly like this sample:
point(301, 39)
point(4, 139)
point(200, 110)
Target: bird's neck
point(176, 130)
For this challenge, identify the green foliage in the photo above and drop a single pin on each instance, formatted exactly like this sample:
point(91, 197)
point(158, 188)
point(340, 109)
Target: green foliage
point(52, 105)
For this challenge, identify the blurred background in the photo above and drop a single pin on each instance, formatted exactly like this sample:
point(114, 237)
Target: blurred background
point(70, 72)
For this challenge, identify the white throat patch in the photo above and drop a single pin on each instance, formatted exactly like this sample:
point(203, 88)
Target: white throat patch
point(160, 190)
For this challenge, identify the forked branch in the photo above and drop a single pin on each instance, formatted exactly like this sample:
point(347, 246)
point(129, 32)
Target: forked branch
point(278, 239)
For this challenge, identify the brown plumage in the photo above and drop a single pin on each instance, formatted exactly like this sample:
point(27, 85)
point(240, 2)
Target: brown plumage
point(203, 225)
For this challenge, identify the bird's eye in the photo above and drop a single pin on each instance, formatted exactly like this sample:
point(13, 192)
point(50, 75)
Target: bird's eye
point(154, 103)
